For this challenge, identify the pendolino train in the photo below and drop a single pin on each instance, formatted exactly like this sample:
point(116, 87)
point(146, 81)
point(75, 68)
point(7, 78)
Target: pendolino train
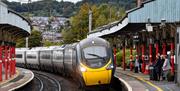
point(90, 61)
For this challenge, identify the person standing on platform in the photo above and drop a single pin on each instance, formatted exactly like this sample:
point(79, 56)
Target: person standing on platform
point(162, 62)
point(136, 64)
point(140, 64)
point(157, 68)
point(166, 67)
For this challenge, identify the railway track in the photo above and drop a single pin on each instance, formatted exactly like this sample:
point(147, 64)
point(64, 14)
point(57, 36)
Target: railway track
point(44, 81)
point(47, 83)
point(41, 83)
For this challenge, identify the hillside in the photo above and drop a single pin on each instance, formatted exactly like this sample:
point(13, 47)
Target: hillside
point(63, 8)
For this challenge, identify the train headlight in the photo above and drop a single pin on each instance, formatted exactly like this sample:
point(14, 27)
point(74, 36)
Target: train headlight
point(111, 66)
point(82, 69)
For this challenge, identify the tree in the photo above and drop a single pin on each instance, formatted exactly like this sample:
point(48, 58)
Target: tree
point(35, 39)
point(101, 20)
point(102, 15)
point(21, 43)
point(69, 36)
point(80, 22)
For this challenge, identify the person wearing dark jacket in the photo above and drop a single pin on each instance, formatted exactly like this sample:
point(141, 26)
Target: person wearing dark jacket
point(158, 67)
point(140, 64)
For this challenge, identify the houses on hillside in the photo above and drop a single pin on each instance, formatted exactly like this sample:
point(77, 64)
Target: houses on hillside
point(50, 27)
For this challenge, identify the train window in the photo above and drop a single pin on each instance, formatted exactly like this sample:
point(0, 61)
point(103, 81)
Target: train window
point(45, 55)
point(18, 55)
point(96, 50)
point(30, 56)
point(95, 56)
point(57, 55)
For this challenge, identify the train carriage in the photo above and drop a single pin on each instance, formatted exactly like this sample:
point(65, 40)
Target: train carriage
point(21, 57)
point(58, 60)
point(32, 58)
point(70, 59)
point(46, 59)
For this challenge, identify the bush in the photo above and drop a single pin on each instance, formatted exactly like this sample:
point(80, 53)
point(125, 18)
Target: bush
point(118, 58)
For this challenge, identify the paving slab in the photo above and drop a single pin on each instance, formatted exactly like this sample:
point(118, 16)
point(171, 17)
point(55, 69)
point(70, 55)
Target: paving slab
point(22, 77)
point(141, 82)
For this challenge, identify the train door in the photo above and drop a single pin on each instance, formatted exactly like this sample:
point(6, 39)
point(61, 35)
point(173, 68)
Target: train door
point(74, 61)
point(20, 59)
point(45, 59)
point(68, 60)
point(58, 61)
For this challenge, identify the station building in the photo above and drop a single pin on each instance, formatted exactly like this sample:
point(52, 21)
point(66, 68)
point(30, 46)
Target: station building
point(12, 27)
point(153, 27)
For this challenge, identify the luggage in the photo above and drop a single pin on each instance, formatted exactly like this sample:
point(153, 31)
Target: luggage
point(152, 73)
point(136, 70)
point(170, 77)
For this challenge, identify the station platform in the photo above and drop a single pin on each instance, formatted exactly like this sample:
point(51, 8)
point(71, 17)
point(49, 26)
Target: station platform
point(22, 77)
point(141, 82)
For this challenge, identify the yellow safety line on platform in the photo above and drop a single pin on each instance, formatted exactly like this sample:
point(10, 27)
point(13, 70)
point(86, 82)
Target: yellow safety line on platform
point(148, 82)
point(13, 77)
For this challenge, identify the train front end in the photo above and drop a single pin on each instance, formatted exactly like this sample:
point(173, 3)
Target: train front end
point(96, 62)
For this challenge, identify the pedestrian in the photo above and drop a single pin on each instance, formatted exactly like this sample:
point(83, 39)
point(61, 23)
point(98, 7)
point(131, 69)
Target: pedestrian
point(166, 67)
point(140, 64)
point(162, 62)
point(136, 64)
point(157, 67)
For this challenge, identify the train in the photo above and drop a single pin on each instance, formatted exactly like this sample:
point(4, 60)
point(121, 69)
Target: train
point(90, 61)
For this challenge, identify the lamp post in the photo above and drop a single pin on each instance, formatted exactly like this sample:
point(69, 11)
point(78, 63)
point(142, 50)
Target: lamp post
point(90, 20)
point(29, 2)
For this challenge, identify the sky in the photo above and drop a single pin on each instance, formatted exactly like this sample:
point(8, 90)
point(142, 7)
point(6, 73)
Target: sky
point(37, 0)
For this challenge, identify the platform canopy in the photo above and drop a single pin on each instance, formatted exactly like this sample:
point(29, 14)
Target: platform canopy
point(12, 25)
point(150, 11)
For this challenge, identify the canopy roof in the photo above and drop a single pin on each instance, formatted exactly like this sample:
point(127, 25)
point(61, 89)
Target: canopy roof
point(12, 23)
point(151, 11)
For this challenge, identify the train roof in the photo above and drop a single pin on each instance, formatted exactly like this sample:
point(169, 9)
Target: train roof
point(70, 45)
point(93, 41)
point(21, 49)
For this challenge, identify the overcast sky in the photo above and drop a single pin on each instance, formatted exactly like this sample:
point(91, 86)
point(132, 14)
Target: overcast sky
point(38, 0)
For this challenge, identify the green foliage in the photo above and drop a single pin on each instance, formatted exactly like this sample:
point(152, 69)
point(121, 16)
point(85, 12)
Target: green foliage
point(63, 8)
point(80, 23)
point(102, 14)
point(119, 56)
point(44, 8)
point(21, 43)
point(35, 39)
point(68, 36)
point(48, 43)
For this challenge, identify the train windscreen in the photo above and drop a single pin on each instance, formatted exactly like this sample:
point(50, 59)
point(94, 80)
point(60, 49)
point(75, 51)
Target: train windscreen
point(95, 56)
